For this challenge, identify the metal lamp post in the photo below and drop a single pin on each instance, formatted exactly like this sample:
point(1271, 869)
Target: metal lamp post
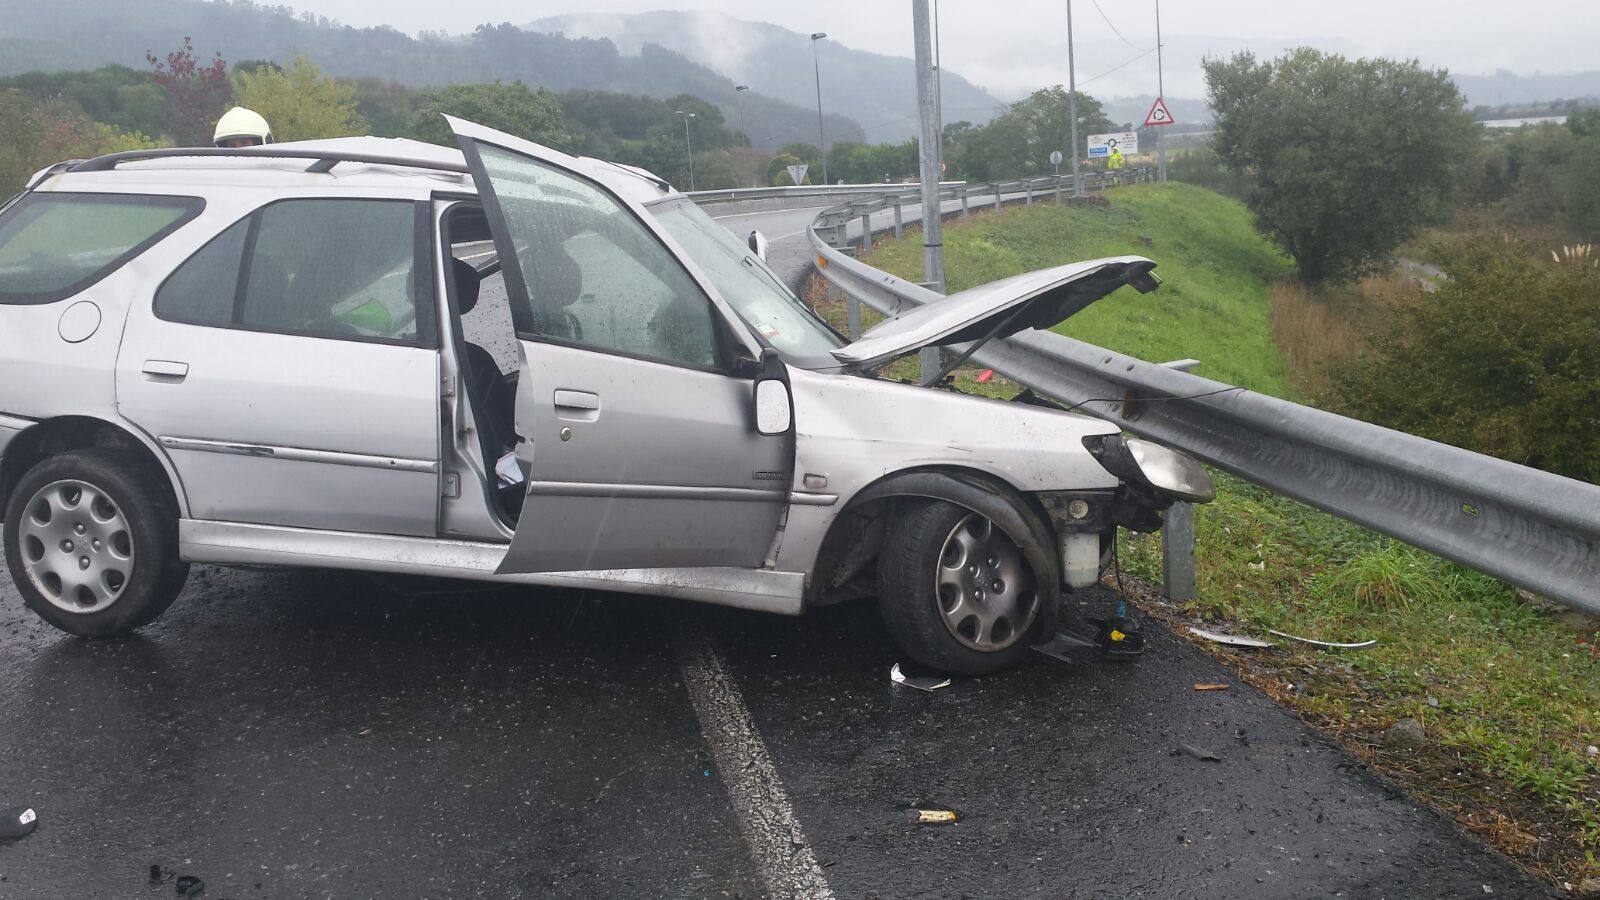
point(822, 141)
point(738, 91)
point(688, 145)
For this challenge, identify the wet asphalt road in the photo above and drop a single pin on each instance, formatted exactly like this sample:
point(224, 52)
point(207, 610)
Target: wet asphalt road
point(314, 734)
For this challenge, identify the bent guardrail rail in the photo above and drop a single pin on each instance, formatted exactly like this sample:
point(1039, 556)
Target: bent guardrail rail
point(1527, 527)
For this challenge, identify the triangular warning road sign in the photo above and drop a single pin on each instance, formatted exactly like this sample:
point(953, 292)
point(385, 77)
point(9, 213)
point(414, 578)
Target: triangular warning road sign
point(1158, 114)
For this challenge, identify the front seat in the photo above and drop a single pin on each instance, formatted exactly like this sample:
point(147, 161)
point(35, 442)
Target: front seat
point(494, 394)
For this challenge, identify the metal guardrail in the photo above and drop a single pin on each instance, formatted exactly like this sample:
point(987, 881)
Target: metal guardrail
point(834, 221)
point(911, 193)
point(804, 191)
point(1528, 527)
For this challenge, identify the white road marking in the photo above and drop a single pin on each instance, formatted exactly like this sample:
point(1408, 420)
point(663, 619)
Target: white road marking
point(787, 209)
point(760, 804)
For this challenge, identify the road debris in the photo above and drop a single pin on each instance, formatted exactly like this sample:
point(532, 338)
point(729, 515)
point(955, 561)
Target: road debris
point(189, 886)
point(1232, 640)
point(935, 816)
point(1208, 686)
point(1062, 644)
point(920, 682)
point(18, 821)
point(1199, 753)
point(1333, 644)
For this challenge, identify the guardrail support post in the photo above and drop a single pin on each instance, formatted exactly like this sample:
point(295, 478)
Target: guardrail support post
point(1177, 552)
point(1029, 200)
point(866, 233)
point(899, 223)
point(964, 214)
point(997, 196)
point(1058, 188)
point(852, 314)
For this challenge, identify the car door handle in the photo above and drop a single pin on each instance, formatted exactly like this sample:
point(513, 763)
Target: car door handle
point(165, 370)
point(577, 400)
point(577, 406)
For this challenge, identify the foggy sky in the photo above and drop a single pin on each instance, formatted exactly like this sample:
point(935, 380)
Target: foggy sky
point(1013, 46)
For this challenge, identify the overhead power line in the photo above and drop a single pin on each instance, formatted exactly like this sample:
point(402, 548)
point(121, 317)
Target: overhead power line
point(1118, 67)
point(1114, 30)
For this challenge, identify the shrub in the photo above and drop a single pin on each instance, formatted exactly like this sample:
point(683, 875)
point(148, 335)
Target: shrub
point(1502, 358)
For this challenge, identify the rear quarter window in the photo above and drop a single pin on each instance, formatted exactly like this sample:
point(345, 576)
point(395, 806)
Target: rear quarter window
point(54, 245)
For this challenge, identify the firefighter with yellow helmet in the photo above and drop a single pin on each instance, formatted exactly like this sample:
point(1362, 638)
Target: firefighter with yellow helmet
point(240, 127)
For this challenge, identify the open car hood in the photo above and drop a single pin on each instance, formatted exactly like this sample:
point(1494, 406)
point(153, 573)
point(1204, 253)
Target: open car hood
point(1000, 308)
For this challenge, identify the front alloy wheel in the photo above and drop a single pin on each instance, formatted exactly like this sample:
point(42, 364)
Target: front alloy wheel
point(985, 589)
point(958, 593)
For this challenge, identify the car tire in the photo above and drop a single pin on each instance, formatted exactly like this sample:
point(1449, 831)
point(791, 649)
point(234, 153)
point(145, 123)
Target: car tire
point(91, 540)
point(957, 593)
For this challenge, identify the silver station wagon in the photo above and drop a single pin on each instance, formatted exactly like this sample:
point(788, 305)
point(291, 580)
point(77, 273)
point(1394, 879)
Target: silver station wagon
point(508, 364)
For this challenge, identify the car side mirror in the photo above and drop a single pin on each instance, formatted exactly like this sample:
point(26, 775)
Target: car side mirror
point(758, 244)
point(774, 405)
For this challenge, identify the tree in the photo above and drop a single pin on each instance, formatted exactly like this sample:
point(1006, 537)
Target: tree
point(1018, 142)
point(513, 108)
point(196, 94)
point(1347, 158)
point(35, 135)
point(298, 102)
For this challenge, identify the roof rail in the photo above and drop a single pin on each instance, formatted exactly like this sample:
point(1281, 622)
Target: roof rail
point(325, 159)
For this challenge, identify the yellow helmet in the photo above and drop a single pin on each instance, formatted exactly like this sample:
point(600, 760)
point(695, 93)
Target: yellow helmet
point(240, 124)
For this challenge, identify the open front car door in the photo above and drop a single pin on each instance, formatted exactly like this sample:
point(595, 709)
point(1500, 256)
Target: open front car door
point(636, 409)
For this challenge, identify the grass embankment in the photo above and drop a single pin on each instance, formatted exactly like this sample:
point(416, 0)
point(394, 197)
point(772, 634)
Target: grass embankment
point(1508, 694)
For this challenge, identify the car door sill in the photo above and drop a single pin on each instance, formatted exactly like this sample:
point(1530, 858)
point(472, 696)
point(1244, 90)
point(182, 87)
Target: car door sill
point(237, 543)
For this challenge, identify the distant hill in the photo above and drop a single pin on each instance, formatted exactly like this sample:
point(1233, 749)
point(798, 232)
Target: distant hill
point(878, 91)
point(57, 35)
point(1503, 88)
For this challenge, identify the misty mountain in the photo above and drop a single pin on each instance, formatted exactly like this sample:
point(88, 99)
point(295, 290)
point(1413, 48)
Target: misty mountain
point(876, 90)
point(57, 35)
point(1504, 87)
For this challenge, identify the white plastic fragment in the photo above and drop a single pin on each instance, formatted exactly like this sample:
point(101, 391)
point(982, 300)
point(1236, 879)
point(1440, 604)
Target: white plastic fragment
point(1232, 640)
point(920, 682)
point(1334, 644)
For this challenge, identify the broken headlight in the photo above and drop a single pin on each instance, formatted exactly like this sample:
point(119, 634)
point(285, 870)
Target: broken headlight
point(1152, 468)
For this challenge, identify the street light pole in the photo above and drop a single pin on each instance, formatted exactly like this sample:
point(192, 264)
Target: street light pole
point(822, 141)
point(688, 145)
point(1161, 92)
point(1072, 105)
point(738, 91)
point(928, 151)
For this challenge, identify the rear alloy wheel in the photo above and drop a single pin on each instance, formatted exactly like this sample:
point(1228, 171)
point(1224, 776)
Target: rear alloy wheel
point(76, 546)
point(91, 542)
point(958, 593)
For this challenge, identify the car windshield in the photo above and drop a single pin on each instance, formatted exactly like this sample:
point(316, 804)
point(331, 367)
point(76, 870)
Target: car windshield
point(755, 294)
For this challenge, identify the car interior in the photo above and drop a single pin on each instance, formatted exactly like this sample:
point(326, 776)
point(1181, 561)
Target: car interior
point(482, 320)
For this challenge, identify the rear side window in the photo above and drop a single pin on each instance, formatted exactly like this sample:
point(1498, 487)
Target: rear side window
point(53, 245)
point(321, 268)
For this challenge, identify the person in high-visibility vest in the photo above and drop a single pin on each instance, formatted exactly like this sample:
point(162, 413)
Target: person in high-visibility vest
point(1114, 161)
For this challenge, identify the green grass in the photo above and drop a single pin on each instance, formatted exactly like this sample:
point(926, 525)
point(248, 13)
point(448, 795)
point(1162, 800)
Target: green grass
point(1217, 269)
point(1515, 694)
